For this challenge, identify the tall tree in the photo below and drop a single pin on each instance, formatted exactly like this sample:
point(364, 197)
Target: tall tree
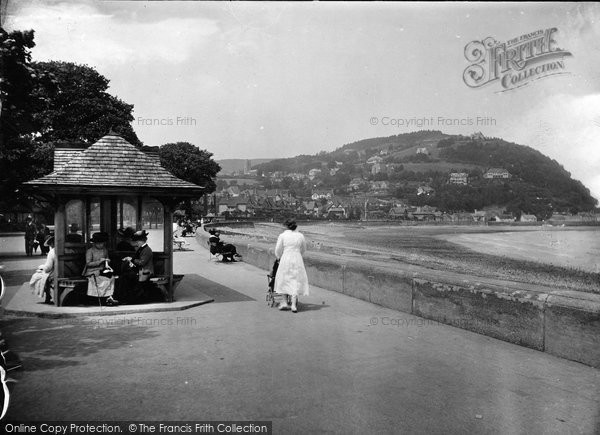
point(188, 162)
point(18, 103)
point(46, 102)
point(78, 106)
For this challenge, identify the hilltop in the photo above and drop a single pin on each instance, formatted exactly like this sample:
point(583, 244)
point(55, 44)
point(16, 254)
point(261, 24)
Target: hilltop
point(450, 172)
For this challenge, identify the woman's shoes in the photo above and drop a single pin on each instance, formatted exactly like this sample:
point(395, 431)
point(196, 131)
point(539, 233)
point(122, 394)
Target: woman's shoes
point(284, 306)
point(112, 302)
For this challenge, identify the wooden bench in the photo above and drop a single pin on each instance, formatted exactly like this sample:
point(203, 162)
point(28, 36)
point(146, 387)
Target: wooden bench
point(67, 285)
point(161, 283)
point(179, 243)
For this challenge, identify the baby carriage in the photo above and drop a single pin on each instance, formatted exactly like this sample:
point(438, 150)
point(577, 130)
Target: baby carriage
point(272, 297)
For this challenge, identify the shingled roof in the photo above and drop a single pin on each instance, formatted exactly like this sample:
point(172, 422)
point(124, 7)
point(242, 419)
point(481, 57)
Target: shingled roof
point(112, 163)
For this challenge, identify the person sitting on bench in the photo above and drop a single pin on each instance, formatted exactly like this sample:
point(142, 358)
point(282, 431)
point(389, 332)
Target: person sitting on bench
point(141, 290)
point(227, 250)
point(101, 282)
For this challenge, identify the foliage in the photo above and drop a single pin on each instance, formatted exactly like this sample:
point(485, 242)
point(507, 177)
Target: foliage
point(18, 102)
point(188, 162)
point(78, 106)
point(544, 181)
point(44, 103)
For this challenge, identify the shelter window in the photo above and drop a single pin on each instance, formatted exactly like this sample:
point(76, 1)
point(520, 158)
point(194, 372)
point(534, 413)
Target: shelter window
point(74, 225)
point(126, 212)
point(95, 216)
point(153, 222)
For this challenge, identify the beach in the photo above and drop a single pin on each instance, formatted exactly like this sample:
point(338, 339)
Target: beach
point(556, 257)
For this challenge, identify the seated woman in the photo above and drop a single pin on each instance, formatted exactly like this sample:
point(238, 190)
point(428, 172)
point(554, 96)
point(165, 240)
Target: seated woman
point(227, 250)
point(101, 283)
point(41, 281)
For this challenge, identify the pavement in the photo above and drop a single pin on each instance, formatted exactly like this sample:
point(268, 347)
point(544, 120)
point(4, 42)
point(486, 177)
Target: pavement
point(339, 365)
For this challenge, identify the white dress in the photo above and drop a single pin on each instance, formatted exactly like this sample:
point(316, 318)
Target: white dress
point(291, 276)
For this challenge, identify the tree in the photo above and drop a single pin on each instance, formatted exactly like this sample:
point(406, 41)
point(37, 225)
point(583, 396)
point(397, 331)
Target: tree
point(78, 106)
point(188, 162)
point(17, 103)
point(47, 102)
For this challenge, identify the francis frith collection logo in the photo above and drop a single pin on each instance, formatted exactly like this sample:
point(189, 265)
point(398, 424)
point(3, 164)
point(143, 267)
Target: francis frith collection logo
point(515, 63)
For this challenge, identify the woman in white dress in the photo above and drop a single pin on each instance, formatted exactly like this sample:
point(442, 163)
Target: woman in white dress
point(291, 276)
point(41, 280)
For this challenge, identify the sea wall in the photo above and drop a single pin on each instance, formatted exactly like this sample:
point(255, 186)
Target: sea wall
point(562, 323)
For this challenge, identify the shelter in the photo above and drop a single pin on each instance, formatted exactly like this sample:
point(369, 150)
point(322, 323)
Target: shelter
point(108, 186)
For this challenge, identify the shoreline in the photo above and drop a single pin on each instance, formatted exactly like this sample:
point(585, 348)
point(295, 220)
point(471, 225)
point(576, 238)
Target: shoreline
point(428, 247)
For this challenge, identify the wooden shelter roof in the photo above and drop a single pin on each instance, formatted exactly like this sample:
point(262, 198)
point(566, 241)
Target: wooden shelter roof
point(113, 164)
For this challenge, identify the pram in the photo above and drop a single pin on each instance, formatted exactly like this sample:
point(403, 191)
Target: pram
point(272, 297)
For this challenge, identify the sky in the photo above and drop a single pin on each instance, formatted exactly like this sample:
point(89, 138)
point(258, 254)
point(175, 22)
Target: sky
point(269, 80)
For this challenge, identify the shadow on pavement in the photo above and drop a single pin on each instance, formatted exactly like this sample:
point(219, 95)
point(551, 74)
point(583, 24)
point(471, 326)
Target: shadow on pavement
point(17, 277)
point(218, 292)
point(45, 344)
point(310, 307)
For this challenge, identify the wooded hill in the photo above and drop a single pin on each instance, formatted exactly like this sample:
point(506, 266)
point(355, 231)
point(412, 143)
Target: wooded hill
point(537, 184)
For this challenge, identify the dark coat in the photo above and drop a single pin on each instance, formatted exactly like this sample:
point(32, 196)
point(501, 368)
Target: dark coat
point(142, 259)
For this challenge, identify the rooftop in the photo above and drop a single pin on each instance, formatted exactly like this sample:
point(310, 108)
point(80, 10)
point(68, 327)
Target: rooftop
point(114, 163)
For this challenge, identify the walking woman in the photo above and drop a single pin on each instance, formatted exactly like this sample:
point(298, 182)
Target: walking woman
point(291, 276)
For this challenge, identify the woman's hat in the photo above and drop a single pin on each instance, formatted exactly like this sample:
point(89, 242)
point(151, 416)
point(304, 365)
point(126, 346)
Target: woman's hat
point(48, 240)
point(127, 233)
point(99, 237)
point(139, 235)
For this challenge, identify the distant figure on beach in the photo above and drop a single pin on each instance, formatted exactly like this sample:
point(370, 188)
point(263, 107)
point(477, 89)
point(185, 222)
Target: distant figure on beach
point(291, 278)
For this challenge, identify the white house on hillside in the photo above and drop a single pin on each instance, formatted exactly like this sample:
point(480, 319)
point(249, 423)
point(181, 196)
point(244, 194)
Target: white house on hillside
point(495, 173)
point(459, 178)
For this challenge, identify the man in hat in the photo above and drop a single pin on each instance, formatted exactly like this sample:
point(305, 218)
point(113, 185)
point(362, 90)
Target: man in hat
point(74, 236)
point(125, 245)
point(30, 234)
point(142, 262)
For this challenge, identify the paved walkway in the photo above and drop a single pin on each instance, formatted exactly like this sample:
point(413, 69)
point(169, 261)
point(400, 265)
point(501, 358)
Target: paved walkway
point(340, 365)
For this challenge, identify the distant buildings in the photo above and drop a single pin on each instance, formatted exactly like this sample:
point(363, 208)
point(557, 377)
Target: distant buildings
point(321, 193)
point(528, 218)
point(314, 173)
point(373, 160)
point(460, 178)
point(496, 173)
point(424, 190)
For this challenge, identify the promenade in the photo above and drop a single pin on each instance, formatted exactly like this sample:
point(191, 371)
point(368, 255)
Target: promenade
point(340, 365)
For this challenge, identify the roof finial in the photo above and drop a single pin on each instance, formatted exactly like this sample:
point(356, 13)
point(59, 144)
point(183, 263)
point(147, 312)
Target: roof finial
point(111, 131)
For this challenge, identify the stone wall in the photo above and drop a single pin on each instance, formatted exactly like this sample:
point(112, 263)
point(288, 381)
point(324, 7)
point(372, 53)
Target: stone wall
point(562, 323)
